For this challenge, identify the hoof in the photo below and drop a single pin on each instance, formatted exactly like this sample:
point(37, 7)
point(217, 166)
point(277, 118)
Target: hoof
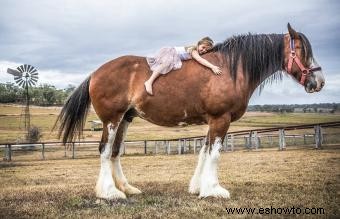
point(111, 194)
point(216, 191)
point(128, 189)
point(194, 187)
point(131, 190)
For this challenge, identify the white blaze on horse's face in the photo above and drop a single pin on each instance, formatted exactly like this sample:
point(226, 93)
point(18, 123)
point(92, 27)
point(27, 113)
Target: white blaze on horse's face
point(319, 78)
point(316, 80)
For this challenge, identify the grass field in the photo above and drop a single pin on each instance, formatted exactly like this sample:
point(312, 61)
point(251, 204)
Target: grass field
point(269, 178)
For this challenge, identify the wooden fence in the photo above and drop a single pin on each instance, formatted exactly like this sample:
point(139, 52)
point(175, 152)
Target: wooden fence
point(252, 139)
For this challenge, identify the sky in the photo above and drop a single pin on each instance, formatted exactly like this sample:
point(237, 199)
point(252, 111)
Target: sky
point(67, 40)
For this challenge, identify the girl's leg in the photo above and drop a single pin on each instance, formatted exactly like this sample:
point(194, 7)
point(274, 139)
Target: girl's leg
point(149, 82)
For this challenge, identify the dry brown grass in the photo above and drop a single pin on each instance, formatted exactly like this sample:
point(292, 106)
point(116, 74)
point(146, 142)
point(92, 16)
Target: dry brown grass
point(65, 188)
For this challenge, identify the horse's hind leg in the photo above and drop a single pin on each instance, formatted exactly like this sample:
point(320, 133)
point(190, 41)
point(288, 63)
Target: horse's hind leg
point(105, 187)
point(118, 146)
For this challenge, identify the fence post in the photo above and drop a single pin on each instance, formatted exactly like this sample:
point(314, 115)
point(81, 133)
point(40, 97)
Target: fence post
point(318, 136)
point(256, 140)
point(195, 144)
point(304, 139)
point(184, 144)
point(189, 145)
point(8, 152)
point(73, 153)
point(282, 140)
point(165, 146)
point(156, 147)
point(225, 143)
point(145, 145)
point(249, 146)
point(43, 151)
point(169, 148)
point(179, 146)
point(232, 142)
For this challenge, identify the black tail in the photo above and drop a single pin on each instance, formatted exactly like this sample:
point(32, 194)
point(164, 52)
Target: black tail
point(73, 114)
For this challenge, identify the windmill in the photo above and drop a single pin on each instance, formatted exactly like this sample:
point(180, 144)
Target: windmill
point(25, 76)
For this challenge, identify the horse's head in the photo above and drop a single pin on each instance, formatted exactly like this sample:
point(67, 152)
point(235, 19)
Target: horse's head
point(300, 63)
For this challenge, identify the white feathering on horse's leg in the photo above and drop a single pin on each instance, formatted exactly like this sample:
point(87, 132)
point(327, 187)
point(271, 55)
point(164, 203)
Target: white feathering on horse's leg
point(194, 186)
point(209, 180)
point(105, 187)
point(118, 175)
point(120, 179)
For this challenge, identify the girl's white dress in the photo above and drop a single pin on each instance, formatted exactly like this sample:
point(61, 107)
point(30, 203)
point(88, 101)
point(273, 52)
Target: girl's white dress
point(168, 58)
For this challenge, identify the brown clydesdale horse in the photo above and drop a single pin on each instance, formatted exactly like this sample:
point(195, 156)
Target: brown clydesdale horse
point(192, 95)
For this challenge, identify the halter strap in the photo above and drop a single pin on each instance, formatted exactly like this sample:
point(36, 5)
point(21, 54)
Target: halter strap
point(293, 58)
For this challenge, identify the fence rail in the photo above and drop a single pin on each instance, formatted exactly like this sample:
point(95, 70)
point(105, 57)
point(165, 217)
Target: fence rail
point(248, 139)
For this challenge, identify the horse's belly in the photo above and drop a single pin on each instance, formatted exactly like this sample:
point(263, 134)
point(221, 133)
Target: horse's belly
point(167, 117)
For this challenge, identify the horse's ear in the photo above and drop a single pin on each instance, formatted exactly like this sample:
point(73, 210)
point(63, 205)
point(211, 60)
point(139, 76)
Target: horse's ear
point(293, 34)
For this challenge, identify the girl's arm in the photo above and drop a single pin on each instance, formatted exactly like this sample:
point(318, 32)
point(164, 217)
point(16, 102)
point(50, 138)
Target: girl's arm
point(206, 63)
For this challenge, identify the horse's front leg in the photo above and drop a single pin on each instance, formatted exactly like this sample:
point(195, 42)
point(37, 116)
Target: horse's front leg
point(209, 185)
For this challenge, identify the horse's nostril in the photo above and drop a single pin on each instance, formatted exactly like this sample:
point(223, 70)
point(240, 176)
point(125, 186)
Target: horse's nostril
point(322, 84)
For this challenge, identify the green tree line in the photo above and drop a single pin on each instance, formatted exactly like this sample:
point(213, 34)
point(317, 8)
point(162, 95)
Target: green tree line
point(316, 107)
point(43, 95)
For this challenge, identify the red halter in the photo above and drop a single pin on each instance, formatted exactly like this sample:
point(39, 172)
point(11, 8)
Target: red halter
point(304, 71)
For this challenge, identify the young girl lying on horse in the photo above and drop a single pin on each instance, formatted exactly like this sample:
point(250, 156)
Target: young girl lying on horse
point(169, 58)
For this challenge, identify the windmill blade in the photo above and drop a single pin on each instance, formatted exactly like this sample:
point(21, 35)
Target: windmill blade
point(18, 82)
point(34, 80)
point(35, 71)
point(17, 77)
point(21, 68)
point(30, 68)
point(14, 72)
point(25, 67)
point(21, 82)
point(34, 77)
point(29, 83)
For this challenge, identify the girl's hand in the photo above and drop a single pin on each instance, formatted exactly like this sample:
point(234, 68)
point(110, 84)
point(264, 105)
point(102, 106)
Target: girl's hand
point(216, 70)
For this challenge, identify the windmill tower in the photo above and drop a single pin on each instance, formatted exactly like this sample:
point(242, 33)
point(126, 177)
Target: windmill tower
point(25, 76)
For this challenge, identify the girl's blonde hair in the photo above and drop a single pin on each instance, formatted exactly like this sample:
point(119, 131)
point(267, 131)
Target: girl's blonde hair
point(206, 40)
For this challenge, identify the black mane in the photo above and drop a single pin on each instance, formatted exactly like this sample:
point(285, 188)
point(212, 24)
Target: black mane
point(260, 55)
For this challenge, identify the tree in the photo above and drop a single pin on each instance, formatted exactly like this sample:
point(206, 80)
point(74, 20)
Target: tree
point(49, 94)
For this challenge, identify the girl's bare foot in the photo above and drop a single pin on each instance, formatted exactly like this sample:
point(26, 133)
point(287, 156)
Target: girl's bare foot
point(148, 87)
